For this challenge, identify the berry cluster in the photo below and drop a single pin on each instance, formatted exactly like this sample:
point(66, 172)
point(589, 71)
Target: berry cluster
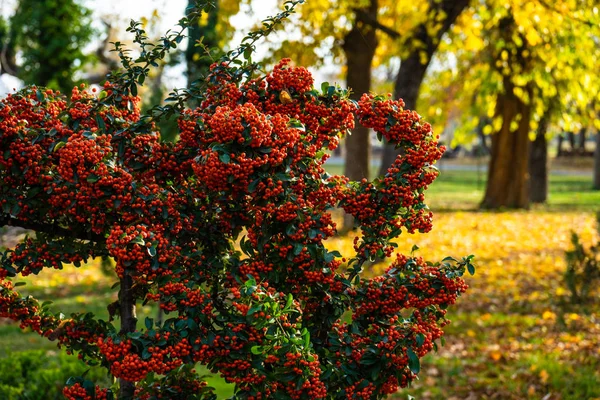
point(225, 231)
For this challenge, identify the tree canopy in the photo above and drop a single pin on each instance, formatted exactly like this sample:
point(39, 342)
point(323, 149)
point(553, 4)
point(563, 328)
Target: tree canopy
point(51, 36)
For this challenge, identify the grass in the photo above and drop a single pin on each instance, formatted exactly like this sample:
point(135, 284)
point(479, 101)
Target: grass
point(514, 335)
point(75, 290)
point(464, 190)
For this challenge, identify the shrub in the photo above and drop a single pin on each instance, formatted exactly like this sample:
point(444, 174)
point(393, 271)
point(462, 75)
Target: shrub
point(40, 374)
point(583, 268)
point(282, 317)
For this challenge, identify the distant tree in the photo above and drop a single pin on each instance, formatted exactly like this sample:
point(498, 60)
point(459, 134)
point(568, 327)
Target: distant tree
point(597, 162)
point(538, 159)
point(426, 37)
point(359, 47)
point(409, 31)
point(514, 58)
point(202, 39)
point(208, 36)
point(7, 50)
point(51, 36)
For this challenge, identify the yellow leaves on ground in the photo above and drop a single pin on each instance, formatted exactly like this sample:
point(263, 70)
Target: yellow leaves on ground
point(514, 334)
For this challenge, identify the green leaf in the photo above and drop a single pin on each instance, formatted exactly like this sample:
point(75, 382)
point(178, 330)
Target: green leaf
point(252, 185)
point(471, 268)
point(413, 361)
point(225, 158)
point(92, 178)
point(139, 240)
point(420, 339)
point(58, 146)
point(73, 380)
point(294, 123)
point(256, 350)
point(133, 89)
point(146, 355)
point(152, 251)
point(330, 91)
point(40, 96)
point(306, 337)
point(100, 123)
point(289, 301)
point(89, 387)
point(254, 309)
point(298, 248)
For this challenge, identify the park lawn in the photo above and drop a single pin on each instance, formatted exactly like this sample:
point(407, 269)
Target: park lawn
point(464, 190)
point(514, 334)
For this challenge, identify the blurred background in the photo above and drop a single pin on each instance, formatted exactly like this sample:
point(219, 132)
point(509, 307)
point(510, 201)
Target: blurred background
point(511, 87)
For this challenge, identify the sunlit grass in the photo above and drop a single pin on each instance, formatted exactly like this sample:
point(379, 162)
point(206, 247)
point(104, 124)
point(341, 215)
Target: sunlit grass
point(464, 190)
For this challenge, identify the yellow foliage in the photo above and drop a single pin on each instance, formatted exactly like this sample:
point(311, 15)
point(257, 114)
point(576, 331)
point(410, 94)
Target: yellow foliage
point(544, 376)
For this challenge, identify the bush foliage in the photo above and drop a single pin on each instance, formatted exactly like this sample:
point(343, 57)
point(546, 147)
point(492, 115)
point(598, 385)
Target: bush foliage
point(224, 229)
point(583, 268)
point(40, 375)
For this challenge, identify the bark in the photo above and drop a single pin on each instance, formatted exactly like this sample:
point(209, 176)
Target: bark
point(581, 140)
point(8, 59)
point(483, 142)
point(359, 47)
point(559, 146)
point(571, 138)
point(508, 175)
point(128, 324)
point(197, 59)
point(412, 71)
point(597, 162)
point(538, 162)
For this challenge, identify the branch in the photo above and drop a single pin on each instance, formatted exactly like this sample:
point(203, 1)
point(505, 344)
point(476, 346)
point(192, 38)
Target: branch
point(127, 313)
point(372, 21)
point(552, 8)
point(51, 229)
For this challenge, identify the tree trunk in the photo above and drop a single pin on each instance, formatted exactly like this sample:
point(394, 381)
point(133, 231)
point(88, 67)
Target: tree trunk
point(412, 70)
point(197, 58)
point(571, 137)
point(597, 162)
point(485, 148)
point(508, 175)
point(359, 47)
point(407, 85)
point(559, 145)
point(8, 59)
point(581, 140)
point(128, 322)
point(538, 162)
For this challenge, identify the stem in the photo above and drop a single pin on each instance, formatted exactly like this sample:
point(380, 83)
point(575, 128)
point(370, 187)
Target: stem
point(128, 322)
point(52, 229)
